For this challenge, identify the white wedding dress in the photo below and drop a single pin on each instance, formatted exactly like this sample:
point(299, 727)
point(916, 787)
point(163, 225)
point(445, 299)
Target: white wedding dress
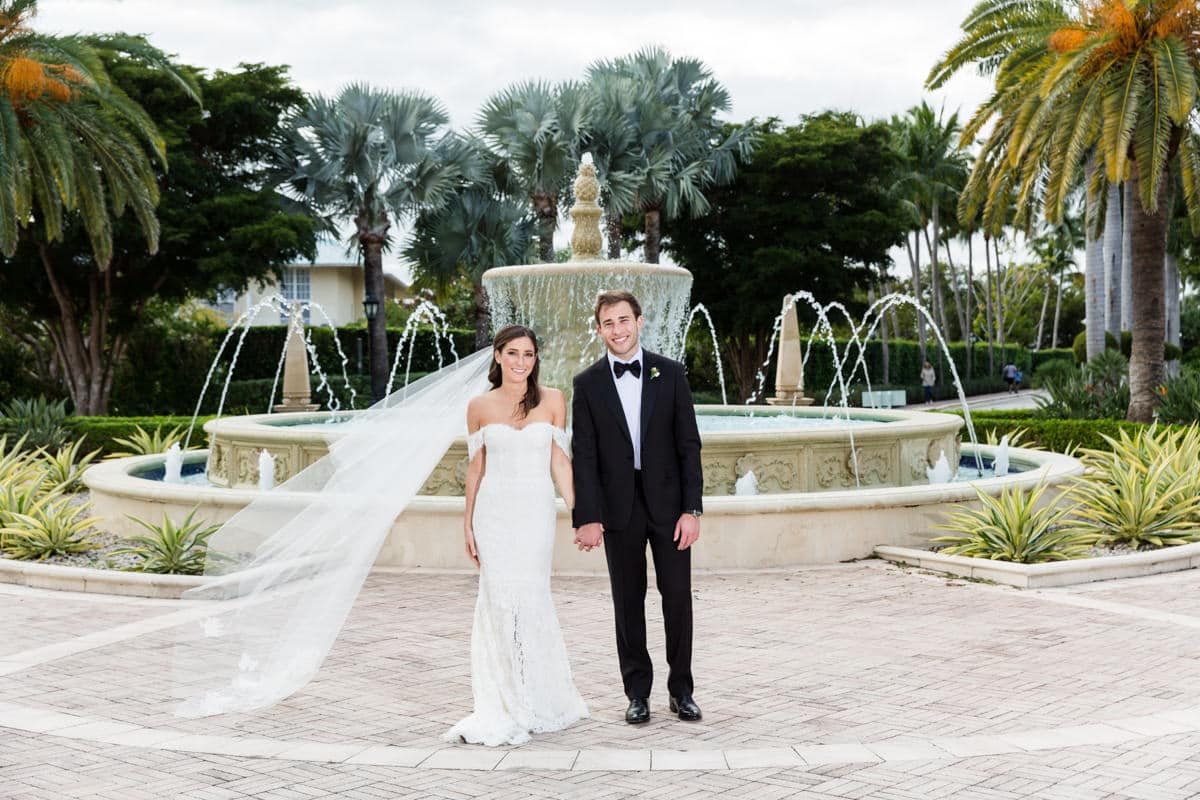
point(520, 675)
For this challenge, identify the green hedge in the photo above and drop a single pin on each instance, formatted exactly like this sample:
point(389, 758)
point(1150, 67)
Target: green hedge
point(165, 375)
point(1058, 435)
point(99, 432)
point(905, 363)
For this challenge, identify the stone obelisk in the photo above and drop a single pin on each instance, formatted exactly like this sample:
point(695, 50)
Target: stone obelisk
point(789, 366)
point(297, 392)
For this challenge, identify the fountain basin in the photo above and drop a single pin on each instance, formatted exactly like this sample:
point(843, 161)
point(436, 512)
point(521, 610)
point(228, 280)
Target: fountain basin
point(892, 448)
point(738, 532)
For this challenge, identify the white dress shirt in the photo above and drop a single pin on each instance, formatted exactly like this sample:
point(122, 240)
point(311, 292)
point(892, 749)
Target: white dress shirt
point(629, 389)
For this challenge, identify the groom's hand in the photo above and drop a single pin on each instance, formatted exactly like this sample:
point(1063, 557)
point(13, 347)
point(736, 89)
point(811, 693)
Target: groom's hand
point(587, 537)
point(687, 530)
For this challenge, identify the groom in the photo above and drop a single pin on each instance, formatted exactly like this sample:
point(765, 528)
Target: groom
point(637, 480)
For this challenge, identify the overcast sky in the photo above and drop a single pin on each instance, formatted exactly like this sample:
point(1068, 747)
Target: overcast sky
point(777, 58)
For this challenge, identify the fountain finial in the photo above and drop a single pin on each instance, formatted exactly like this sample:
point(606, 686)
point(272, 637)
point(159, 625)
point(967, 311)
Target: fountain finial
point(585, 239)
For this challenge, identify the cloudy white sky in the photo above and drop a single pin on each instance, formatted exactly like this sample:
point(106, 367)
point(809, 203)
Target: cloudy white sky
point(776, 58)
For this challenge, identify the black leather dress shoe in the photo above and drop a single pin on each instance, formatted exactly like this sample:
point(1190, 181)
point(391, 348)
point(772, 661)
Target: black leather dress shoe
point(638, 711)
point(686, 708)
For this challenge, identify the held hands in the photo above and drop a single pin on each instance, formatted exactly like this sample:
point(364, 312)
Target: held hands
point(687, 530)
point(472, 553)
point(587, 537)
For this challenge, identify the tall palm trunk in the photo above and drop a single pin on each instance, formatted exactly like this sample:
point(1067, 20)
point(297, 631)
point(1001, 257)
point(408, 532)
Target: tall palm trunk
point(653, 235)
point(612, 224)
point(1127, 204)
point(1148, 240)
point(935, 274)
point(483, 317)
point(987, 311)
point(377, 349)
point(969, 331)
point(885, 360)
point(1057, 310)
point(1037, 341)
point(545, 207)
point(999, 300)
point(1093, 275)
point(914, 261)
point(1113, 239)
point(1171, 301)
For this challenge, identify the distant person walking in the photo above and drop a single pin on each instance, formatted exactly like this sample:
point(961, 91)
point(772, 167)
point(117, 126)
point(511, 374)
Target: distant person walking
point(1010, 373)
point(928, 379)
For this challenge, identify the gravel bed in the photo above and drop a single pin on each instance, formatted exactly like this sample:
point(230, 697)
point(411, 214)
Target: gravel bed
point(101, 557)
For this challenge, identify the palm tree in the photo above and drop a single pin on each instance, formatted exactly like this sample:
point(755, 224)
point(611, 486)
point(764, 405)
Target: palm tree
point(935, 171)
point(537, 128)
point(1094, 302)
point(1119, 76)
point(75, 149)
point(374, 157)
point(680, 147)
point(485, 224)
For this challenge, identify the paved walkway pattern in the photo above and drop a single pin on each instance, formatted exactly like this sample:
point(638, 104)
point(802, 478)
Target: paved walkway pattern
point(844, 681)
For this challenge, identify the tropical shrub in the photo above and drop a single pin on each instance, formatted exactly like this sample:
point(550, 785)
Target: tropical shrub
point(1012, 527)
point(37, 421)
point(1128, 503)
point(144, 443)
point(65, 466)
point(54, 526)
point(1180, 400)
point(169, 548)
point(1099, 391)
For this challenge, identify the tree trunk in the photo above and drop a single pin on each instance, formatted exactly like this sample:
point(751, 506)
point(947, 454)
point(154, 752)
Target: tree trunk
point(377, 347)
point(1057, 311)
point(987, 298)
point(999, 300)
point(1037, 343)
point(653, 235)
point(745, 357)
point(1093, 275)
point(545, 208)
point(1112, 261)
point(84, 352)
point(1131, 198)
point(612, 224)
point(914, 261)
point(969, 332)
point(1171, 305)
point(955, 294)
point(884, 355)
point(483, 318)
point(1148, 243)
point(939, 300)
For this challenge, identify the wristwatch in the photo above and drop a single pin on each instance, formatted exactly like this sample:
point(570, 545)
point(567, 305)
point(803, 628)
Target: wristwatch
point(695, 512)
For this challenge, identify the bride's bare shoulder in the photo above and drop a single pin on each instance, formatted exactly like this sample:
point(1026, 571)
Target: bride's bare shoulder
point(479, 406)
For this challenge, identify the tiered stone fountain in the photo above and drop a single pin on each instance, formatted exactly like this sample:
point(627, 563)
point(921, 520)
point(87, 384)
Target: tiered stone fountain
point(833, 483)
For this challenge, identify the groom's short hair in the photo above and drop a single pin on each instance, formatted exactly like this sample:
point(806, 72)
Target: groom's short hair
point(614, 296)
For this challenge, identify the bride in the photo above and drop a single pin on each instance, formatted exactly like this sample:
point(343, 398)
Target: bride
point(520, 676)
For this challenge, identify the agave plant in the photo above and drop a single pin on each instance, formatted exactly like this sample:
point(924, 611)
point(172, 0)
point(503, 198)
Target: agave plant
point(55, 526)
point(177, 549)
point(1017, 437)
point(22, 497)
point(1012, 527)
point(39, 422)
point(1122, 501)
point(144, 443)
point(66, 465)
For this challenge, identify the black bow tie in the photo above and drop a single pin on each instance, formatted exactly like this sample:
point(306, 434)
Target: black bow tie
point(620, 369)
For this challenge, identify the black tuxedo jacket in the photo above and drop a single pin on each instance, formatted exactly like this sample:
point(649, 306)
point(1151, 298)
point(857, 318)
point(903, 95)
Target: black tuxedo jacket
point(603, 449)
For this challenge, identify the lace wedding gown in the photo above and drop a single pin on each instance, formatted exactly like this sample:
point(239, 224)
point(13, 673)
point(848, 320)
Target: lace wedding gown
point(520, 675)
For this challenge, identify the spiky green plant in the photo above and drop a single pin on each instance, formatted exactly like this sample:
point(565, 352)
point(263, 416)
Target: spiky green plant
point(1018, 437)
point(1123, 501)
point(1013, 526)
point(55, 526)
point(169, 548)
point(65, 466)
point(22, 496)
point(144, 443)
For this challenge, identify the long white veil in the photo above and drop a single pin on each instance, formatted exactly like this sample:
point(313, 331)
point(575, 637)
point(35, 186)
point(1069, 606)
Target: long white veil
point(287, 568)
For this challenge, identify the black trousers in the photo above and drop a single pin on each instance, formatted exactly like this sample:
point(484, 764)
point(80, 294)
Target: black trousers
point(626, 554)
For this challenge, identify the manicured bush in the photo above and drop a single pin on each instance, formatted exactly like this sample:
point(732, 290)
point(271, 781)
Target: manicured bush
point(100, 432)
point(1059, 435)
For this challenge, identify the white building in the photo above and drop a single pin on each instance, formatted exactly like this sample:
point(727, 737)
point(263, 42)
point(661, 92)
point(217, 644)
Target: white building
point(333, 281)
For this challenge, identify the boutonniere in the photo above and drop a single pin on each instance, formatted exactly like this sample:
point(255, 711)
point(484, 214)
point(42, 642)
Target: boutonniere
point(654, 373)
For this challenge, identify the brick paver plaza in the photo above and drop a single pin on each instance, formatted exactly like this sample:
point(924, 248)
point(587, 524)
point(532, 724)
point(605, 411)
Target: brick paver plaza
point(844, 681)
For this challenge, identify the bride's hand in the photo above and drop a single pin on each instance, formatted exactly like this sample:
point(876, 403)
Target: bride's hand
point(472, 552)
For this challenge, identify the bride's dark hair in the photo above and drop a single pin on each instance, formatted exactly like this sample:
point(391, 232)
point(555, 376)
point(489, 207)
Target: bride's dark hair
point(533, 394)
